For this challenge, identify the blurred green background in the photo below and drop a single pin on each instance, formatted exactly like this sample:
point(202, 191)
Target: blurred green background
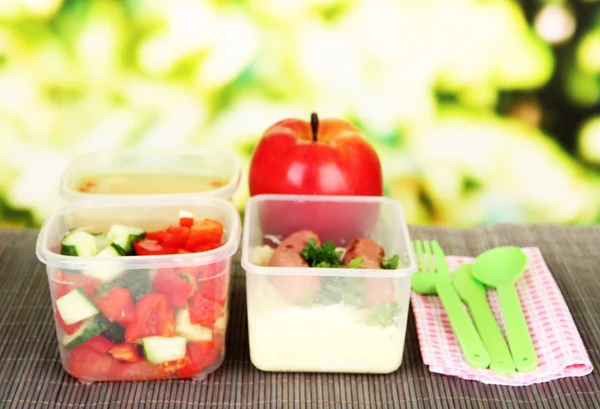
point(481, 111)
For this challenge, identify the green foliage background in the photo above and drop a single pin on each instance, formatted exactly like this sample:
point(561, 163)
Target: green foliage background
point(479, 112)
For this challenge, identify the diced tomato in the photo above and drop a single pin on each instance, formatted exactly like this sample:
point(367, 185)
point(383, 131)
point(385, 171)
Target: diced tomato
point(172, 367)
point(125, 352)
point(117, 305)
point(65, 283)
point(215, 289)
point(177, 240)
point(154, 316)
point(200, 355)
point(69, 329)
point(207, 247)
point(98, 344)
point(156, 235)
point(139, 371)
point(147, 247)
point(204, 311)
point(176, 288)
point(87, 364)
point(182, 251)
point(186, 221)
point(203, 232)
point(62, 286)
point(176, 229)
point(210, 270)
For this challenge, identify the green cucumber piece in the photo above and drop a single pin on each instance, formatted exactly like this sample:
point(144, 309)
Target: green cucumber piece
point(192, 332)
point(161, 349)
point(75, 306)
point(78, 243)
point(89, 329)
point(101, 241)
point(124, 236)
point(115, 332)
point(136, 281)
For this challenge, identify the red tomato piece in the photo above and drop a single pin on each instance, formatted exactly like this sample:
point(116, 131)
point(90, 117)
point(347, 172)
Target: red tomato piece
point(156, 235)
point(125, 352)
point(62, 286)
point(204, 311)
point(139, 371)
point(69, 329)
point(175, 229)
point(87, 364)
point(186, 221)
point(182, 251)
point(172, 367)
point(199, 356)
point(117, 305)
point(215, 289)
point(177, 240)
point(176, 288)
point(65, 283)
point(147, 247)
point(98, 344)
point(153, 316)
point(203, 232)
point(207, 247)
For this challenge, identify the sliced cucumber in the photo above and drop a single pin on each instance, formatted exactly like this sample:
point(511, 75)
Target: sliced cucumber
point(160, 349)
point(114, 332)
point(78, 243)
point(101, 241)
point(124, 236)
point(112, 250)
point(221, 324)
point(136, 281)
point(89, 329)
point(75, 306)
point(192, 332)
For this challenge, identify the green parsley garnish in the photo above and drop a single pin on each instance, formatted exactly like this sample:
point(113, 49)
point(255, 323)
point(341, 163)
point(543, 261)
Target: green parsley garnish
point(390, 263)
point(356, 262)
point(325, 256)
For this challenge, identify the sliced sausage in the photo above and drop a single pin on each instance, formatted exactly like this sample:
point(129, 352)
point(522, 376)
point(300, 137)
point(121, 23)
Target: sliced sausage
point(371, 252)
point(288, 253)
point(294, 288)
point(377, 290)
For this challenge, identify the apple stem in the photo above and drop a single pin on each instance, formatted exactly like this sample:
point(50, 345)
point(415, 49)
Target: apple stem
point(314, 123)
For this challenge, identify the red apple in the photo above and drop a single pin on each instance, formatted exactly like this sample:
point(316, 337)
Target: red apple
point(328, 157)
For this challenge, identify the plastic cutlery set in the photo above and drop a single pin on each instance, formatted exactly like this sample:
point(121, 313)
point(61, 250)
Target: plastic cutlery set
point(479, 336)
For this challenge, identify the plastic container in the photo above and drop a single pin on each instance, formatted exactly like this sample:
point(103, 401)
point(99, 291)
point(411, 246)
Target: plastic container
point(307, 319)
point(176, 173)
point(150, 336)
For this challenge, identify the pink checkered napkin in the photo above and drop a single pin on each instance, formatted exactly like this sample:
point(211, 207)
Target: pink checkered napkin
point(560, 350)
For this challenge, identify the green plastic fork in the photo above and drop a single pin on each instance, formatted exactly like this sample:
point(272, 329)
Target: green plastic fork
point(434, 277)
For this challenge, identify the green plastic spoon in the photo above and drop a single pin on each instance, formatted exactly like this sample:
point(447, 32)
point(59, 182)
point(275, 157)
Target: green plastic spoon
point(501, 268)
point(474, 294)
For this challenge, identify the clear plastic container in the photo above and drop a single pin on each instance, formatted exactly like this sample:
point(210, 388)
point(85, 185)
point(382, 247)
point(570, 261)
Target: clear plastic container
point(308, 319)
point(132, 317)
point(153, 173)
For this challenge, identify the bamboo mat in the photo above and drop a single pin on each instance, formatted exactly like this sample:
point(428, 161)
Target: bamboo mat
point(31, 375)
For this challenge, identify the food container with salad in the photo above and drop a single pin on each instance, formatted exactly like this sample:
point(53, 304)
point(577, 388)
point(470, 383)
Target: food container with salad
point(131, 173)
point(321, 302)
point(140, 288)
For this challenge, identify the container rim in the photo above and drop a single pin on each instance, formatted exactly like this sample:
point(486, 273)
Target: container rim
point(142, 262)
point(326, 272)
point(223, 192)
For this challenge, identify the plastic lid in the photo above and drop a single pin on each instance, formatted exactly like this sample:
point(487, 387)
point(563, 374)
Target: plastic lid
point(203, 161)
